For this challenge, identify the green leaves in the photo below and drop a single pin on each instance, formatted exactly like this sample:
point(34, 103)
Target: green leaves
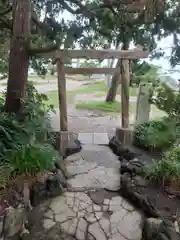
point(32, 159)
point(166, 169)
point(32, 125)
point(167, 100)
point(156, 134)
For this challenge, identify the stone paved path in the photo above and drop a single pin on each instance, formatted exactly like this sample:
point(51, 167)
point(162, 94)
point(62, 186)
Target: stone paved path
point(86, 211)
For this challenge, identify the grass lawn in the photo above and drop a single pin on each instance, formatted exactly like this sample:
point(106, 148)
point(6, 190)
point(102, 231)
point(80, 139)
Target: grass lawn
point(94, 86)
point(39, 78)
point(100, 87)
point(35, 82)
point(100, 94)
point(114, 107)
point(54, 99)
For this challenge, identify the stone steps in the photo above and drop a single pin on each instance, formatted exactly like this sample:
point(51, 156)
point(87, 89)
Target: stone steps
point(94, 138)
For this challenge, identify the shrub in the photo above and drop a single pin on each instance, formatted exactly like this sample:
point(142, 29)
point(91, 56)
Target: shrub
point(167, 100)
point(155, 135)
point(31, 125)
point(13, 135)
point(36, 114)
point(31, 159)
point(166, 169)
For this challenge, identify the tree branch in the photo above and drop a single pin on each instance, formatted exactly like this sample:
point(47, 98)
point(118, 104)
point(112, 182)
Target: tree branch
point(130, 6)
point(69, 9)
point(6, 11)
point(6, 24)
point(41, 25)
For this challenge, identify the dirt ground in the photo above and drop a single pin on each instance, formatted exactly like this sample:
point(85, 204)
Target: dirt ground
point(168, 205)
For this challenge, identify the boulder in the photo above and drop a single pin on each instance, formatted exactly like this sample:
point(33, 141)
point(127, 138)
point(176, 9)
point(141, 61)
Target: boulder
point(132, 167)
point(129, 192)
point(50, 187)
point(12, 223)
point(152, 228)
point(114, 145)
point(121, 151)
point(74, 147)
point(158, 229)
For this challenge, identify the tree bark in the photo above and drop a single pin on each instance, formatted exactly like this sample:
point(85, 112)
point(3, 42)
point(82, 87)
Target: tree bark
point(116, 78)
point(111, 95)
point(19, 59)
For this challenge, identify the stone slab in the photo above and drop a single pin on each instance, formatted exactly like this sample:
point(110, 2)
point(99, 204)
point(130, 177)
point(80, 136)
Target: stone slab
point(94, 138)
point(86, 138)
point(78, 216)
point(101, 139)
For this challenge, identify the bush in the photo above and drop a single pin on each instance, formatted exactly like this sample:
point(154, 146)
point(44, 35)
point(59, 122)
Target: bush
point(155, 135)
point(13, 135)
point(167, 100)
point(36, 115)
point(31, 125)
point(31, 159)
point(166, 169)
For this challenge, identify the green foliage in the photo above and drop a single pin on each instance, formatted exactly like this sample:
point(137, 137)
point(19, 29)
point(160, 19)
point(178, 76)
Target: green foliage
point(167, 100)
point(89, 64)
point(31, 159)
point(155, 135)
point(167, 168)
point(93, 24)
point(145, 72)
point(32, 125)
point(36, 115)
point(13, 134)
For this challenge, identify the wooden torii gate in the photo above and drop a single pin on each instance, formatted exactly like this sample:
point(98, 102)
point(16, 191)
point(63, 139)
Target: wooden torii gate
point(63, 56)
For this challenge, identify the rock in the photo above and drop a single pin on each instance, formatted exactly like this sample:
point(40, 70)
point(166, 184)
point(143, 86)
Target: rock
point(132, 167)
point(61, 165)
point(125, 153)
point(171, 233)
point(158, 229)
point(14, 220)
point(152, 227)
point(120, 150)
point(73, 148)
point(51, 187)
point(134, 197)
point(38, 192)
point(54, 186)
point(139, 181)
point(114, 144)
point(60, 175)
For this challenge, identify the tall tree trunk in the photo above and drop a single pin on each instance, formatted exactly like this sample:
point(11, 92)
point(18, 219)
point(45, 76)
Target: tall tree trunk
point(18, 60)
point(108, 77)
point(111, 94)
point(116, 78)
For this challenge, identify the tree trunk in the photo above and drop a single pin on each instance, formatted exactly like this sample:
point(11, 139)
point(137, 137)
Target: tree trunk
point(116, 78)
point(111, 95)
point(108, 77)
point(18, 60)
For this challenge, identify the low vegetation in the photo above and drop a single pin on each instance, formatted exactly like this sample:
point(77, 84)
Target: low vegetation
point(166, 170)
point(27, 138)
point(100, 105)
point(155, 135)
point(163, 135)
